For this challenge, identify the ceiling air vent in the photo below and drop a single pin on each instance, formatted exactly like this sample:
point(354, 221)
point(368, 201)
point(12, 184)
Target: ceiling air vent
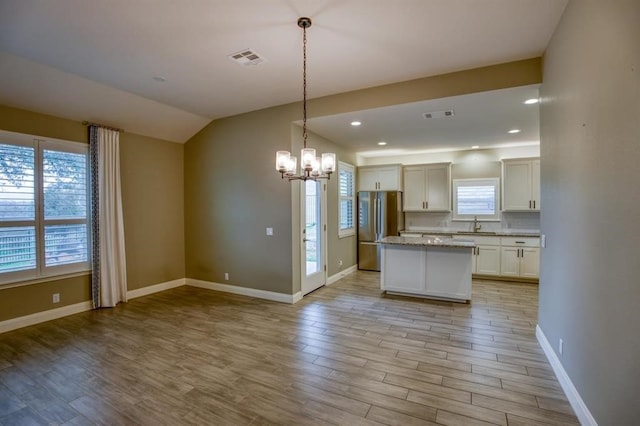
point(438, 114)
point(247, 57)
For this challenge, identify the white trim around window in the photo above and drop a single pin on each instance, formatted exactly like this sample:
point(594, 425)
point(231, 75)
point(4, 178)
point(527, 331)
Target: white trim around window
point(346, 200)
point(476, 198)
point(44, 208)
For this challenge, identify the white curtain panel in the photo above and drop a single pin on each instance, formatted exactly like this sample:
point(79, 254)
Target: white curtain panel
point(113, 278)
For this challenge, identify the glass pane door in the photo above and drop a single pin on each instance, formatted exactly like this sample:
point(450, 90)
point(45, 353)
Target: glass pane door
point(312, 225)
point(313, 236)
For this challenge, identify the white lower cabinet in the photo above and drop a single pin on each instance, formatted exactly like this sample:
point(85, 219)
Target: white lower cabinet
point(520, 257)
point(403, 269)
point(487, 260)
point(486, 254)
point(433, 271)
point(505, 256)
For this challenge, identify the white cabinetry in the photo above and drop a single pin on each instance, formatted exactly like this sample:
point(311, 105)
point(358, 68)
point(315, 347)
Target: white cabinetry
point(521, 185)
point(433, 271)
point(380, 178)
point(404, 269)
point(427, 187)
point(520, 257)
point(486, 254)
point(486, 259)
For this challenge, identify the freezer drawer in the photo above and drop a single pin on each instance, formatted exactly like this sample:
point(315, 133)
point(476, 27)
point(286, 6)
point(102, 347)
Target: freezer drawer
point(369, 256)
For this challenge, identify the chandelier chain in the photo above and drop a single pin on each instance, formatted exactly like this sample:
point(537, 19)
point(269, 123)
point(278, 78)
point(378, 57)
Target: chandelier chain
point(312, 167)
point(304, 85)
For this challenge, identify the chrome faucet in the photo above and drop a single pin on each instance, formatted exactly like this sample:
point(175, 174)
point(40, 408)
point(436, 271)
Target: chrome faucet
point(476, 225)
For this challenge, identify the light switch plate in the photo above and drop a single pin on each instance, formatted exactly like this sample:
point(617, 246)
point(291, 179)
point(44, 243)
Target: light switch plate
point(269, 231)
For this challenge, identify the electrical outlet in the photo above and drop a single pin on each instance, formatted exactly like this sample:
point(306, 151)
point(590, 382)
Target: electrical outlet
point(270, 231)
point(226, 276)
point(560, 346)
point(339, 262)
point(543, 241)
point(56, 298)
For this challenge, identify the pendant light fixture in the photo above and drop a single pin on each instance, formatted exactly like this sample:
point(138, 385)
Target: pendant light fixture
point(311, 167)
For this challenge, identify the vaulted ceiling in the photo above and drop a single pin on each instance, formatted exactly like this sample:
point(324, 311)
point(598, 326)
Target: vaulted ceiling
point(161, 67)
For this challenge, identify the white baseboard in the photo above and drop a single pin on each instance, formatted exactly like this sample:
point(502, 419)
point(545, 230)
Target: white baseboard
point(333, 278)
point(578, 405)
point(144, 291)
point(244, 291)
point(38, 317)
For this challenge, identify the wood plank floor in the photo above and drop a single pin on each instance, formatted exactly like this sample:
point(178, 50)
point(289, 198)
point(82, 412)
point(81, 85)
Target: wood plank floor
point(345, 354)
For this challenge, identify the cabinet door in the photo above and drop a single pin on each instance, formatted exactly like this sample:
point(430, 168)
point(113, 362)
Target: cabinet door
point(414, 188)
point(517, 185)
point(530, 263)
point(438, 188)
point(535, 184)
point(389, 179)
point(510, 262)
point(488, 260)
point(367, 180)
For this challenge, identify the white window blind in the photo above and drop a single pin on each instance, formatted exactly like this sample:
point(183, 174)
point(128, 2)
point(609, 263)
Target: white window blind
point(346, 205)
point(44, 220)
point(17, 208)
point(476, 197)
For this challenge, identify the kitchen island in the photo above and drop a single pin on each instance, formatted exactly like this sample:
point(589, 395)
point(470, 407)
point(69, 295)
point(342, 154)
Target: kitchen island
point(427, 267)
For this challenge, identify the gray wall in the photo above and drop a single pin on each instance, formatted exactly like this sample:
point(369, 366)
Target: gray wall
point(151, 173)
point(232, 191)
point(590, 150)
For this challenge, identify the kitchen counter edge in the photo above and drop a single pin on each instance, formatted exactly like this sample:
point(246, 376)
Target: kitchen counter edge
point(480, 234)
point(427, 242)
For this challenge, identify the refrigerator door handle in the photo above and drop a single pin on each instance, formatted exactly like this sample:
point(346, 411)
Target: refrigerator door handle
point(375, 217)
point(381, 219)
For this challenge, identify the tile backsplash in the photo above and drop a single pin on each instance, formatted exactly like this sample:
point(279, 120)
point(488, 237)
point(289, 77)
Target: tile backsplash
point(529, 221)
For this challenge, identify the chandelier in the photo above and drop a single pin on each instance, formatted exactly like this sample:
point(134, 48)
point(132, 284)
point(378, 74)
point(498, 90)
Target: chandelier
point(311, 167)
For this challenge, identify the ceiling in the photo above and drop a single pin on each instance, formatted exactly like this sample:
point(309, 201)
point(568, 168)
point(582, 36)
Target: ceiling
point(480, 119)
point(161, 68)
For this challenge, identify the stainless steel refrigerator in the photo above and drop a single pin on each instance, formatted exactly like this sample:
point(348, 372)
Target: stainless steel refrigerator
point(379, 215)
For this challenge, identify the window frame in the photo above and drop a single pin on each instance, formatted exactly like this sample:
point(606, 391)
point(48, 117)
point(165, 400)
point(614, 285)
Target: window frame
point(350, 231)
point(494, 181)
point(39, 144)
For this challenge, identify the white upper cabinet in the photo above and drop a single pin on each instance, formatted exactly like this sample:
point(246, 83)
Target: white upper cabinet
point(380, 178)
point(427, 187)
point(521, 185)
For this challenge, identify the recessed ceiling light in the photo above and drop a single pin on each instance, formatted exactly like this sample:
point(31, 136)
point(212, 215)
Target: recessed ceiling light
point(532, 101)
point(475, 147)
point(514, 131)
point(382, 143)
point(356, 123)
point(159, 79)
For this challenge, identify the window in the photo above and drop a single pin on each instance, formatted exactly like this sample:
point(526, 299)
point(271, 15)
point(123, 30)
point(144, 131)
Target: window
point(476, 197)
point(347, 199)
point(44, 226)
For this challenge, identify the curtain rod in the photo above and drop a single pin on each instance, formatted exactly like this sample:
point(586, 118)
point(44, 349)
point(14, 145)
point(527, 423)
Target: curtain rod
point(88, 123)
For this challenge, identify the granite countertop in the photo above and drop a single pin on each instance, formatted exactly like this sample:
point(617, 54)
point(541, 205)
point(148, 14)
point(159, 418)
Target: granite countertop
point(458, 232)
point(428, 242)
